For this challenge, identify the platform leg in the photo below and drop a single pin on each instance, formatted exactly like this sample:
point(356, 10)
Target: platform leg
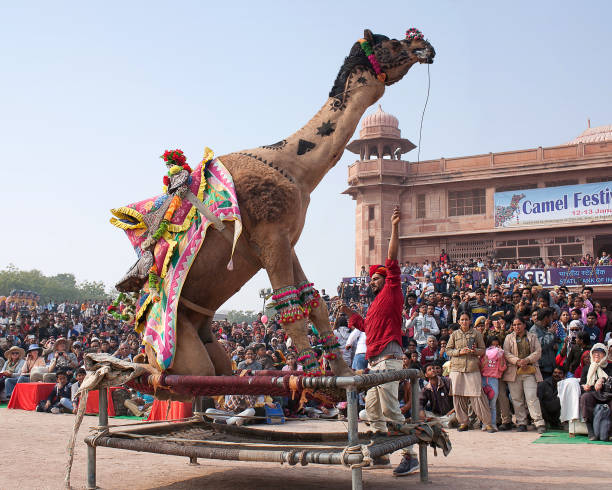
point(193, 461)
point(352, 397)
point(103, 408)
point(414, 407)
point(424, 473)
point(91, 468)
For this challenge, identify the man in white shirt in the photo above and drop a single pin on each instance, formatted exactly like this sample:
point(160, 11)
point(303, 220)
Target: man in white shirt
point(357, 338)
point(424, 325)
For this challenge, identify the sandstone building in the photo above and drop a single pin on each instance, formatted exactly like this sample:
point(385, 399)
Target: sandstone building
point(450, 203)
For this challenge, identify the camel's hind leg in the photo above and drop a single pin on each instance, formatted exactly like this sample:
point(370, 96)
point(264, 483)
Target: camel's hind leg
point(319, 315)
point(216, 351)
point(191, 356)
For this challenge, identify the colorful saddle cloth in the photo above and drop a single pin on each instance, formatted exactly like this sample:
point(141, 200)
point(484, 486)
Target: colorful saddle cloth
point(176, 250)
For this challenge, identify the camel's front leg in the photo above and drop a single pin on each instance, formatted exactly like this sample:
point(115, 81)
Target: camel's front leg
point(278, 263)
point(317, 311)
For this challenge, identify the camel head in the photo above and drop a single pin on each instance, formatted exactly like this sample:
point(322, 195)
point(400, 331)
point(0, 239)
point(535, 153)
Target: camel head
point(397, 57)
point(391, 58)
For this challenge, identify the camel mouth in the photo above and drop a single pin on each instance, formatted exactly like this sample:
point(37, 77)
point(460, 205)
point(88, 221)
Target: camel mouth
point(424, 56)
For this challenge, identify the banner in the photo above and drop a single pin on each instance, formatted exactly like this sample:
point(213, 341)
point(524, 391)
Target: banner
point(366, 279)
point(564, 204)
point(559, 276)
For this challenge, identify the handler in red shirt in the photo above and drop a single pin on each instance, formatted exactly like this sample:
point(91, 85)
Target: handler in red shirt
point(383, 329)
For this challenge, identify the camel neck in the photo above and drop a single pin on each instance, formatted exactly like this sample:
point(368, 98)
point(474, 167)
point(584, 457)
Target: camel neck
point(309, 153)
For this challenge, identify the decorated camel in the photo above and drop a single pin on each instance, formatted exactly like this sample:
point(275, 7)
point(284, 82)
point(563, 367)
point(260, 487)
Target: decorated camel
point(272, 185)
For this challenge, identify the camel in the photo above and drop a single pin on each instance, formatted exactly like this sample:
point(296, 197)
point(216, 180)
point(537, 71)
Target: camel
point(273, 185)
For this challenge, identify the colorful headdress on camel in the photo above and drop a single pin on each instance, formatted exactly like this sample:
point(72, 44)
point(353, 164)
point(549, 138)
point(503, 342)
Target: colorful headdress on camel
point(413, 34)
point(378, 269)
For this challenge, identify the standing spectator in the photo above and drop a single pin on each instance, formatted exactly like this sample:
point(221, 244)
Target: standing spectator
point(478, 306)
point(465, 347)
point(548, 341)
point(591, 327)
point(423, 325)
point(492, 366)
point(523, 351)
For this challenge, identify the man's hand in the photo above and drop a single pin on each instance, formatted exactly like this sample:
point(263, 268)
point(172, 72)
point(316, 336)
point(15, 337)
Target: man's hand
point(396, 217)
point(599, 384)
point(394, 241)
point(586, 387)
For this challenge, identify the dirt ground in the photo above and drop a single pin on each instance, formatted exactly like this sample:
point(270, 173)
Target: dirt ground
point(32, 451)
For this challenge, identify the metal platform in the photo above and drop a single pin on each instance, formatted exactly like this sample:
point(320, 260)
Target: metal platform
point(198, 438)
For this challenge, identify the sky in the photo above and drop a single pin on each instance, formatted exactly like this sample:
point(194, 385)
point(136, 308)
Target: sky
point(93, 92)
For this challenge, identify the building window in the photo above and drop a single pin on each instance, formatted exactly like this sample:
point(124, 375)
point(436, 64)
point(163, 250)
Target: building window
point(559, 183)
point(371, 243)
point(370, 213)
point(420, 206)
point(464, 203)
point(469, 249)
point(595, 180)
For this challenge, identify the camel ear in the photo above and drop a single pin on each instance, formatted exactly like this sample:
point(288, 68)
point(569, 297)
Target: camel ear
point(368, 36)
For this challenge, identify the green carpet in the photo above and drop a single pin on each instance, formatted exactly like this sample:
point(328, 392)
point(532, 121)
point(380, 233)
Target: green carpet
point(563, 437)
point(4, 405)
point(128, 417)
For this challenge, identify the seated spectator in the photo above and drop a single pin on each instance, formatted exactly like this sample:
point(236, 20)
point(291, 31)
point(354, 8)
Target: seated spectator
point(59, 400)
point(139, 404)
point(292, 364)
point(436, 400)
point(549, 398)
point(12, 367)
point(34, 360)
point(263, 357)
point(430, 353)
point(249, 361)
point(592, 382)
point(123, 352)
point(574, 351)
point(62, 360)
point(74, 387)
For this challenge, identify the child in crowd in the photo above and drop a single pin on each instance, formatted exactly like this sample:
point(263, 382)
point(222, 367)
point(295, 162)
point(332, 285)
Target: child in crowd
point(492, 366)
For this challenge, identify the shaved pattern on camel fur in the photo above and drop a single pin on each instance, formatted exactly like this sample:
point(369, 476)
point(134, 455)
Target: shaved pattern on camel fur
point(273, 184)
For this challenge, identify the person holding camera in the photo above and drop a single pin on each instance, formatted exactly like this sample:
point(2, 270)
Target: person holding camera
point(62, 360)
point(465, 347)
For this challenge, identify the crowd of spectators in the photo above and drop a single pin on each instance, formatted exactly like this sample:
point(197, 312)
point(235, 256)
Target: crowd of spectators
point(456, 329)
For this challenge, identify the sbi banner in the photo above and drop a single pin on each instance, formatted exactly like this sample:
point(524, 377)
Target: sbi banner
point(568, 203)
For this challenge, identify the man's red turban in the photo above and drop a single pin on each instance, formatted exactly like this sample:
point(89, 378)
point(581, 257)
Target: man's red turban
point(378, 269)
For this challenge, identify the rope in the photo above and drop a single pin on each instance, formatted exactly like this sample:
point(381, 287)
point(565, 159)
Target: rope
point(357, 449)
point(224, 443)
point(423, 113)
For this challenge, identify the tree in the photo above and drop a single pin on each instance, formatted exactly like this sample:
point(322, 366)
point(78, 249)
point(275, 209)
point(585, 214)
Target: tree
point(57, 288)
point(240, 316)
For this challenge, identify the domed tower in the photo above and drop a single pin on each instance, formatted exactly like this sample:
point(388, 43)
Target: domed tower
point(376, 183)
point(380, 136)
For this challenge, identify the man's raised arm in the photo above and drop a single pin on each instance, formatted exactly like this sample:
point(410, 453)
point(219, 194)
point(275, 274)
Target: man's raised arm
point(394, 241)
